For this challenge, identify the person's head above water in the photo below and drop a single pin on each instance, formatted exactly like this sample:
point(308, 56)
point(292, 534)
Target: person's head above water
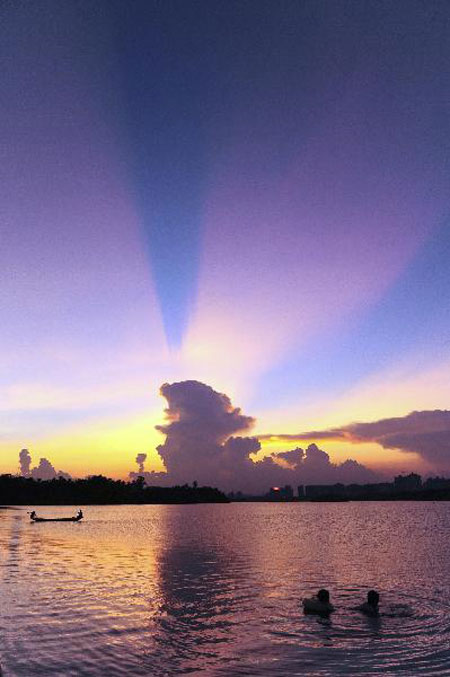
point(319, 604)
point(323, 595)
point(373, 598)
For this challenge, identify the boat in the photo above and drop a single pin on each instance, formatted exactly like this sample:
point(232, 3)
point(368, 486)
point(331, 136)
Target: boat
point(35, 518)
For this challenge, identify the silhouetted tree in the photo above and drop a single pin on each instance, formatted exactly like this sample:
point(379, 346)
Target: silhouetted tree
point(97, 489)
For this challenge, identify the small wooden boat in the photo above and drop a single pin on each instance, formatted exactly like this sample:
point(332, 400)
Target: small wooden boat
point(35, 518)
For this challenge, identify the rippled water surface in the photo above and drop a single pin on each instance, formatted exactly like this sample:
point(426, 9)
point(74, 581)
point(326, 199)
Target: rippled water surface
point(216, 590)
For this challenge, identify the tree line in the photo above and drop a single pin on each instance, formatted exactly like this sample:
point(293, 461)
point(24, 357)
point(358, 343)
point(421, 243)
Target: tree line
point(98, 490)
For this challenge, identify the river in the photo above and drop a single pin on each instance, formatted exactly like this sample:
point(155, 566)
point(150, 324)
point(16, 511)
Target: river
point(217, 590)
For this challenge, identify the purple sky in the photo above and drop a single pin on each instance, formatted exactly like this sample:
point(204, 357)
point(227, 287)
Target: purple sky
point(253, 195)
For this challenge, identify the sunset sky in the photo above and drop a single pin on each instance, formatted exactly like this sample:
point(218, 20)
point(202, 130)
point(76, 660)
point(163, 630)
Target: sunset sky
point(253, 195)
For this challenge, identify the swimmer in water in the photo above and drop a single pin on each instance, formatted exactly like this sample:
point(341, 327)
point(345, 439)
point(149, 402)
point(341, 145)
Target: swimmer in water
point(370, 608)
point(320, 604)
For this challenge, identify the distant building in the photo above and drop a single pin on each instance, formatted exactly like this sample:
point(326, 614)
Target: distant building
point(411, 482)
point(281, 493)
point(436, 483)
point(325, 491)
point(301, 491)
point(236, 496)
point(288, 492)
point(355, 491)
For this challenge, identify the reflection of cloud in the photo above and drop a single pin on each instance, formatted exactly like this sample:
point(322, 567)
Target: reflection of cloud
point(197, 575)
point(424, 432)
point(200, 445)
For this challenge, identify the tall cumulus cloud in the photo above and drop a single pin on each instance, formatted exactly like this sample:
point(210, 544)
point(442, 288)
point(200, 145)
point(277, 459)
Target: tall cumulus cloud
point(206, 441)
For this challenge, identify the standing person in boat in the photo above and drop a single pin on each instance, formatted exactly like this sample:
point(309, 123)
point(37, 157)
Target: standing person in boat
point(80, 514)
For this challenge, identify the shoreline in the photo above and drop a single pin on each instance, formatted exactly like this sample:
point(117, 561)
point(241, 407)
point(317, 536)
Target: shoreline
point(253, 499)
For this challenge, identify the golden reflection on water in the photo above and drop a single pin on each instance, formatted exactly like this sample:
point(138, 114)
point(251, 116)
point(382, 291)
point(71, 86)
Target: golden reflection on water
point(164, 590)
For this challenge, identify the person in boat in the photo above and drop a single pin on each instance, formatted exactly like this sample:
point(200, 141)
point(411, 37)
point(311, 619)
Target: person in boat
point(80, 514)
point(32, 514)
point(370, 608)
point(320, 604)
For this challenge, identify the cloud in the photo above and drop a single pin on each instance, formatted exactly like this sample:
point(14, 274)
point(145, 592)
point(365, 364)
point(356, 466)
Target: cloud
point(155, 478)
point(424, 432)
point(332, 434)
point(24, 462)
point(140, 460)
point(201, 444)
point(43, 471)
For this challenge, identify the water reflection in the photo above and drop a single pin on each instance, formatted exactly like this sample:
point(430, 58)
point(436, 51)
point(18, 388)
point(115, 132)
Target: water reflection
point(203, 595)
point(11, 550)
point(214, 590)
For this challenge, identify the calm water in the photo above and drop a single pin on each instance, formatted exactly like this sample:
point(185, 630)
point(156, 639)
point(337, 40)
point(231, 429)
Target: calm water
point(215, 590)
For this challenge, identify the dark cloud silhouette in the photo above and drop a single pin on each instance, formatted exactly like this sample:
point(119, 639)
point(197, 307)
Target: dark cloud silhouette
point(149, 477)
point(140, 460)
point(43, 471)
point(201, 444)
point(424, 432)
point(331, 434)
point(293, 458)
point(24, 462)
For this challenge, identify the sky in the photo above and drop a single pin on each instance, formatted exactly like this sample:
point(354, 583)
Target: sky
point(251, 196)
